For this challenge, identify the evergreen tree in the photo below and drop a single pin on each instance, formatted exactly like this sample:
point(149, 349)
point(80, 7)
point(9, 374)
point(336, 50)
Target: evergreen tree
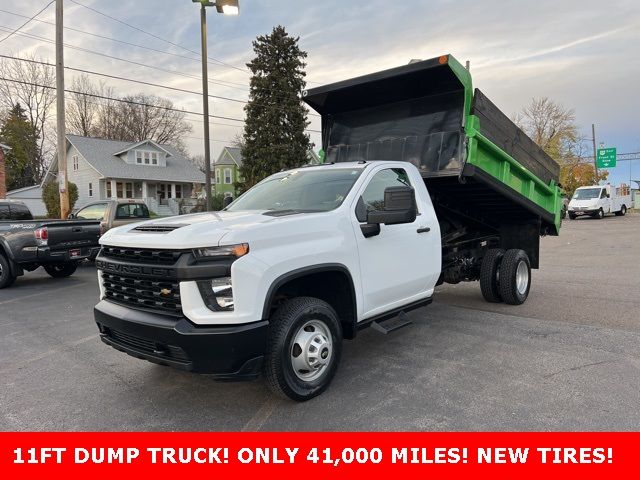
point(274, 132)
point(21, 162)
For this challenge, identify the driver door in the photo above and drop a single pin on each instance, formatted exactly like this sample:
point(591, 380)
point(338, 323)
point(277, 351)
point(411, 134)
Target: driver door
point(400, 264)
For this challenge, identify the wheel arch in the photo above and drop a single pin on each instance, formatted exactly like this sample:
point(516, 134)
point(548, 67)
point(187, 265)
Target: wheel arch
point(331, 282)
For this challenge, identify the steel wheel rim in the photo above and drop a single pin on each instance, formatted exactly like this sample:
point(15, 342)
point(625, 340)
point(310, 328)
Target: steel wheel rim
point(522, 277)
point(311, 350)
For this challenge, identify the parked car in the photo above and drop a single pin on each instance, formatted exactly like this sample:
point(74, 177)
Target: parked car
point(113, 213)
point(56, 245)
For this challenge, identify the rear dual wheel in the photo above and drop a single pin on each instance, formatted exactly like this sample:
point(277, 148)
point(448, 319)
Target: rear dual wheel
point(505, 276)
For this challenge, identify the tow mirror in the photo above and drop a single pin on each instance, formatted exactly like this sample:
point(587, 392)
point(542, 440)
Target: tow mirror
point(399, 207)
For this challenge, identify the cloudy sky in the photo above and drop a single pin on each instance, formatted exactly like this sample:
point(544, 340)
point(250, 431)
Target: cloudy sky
point(584, 54)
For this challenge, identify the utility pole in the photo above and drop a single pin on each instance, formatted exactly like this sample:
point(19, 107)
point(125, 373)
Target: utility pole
point(595, 151)
point(63, 185)
point(205, 107)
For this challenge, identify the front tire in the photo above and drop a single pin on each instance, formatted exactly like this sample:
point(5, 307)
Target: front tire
point(61, 270)
point(599, 214)
point(572, 216)
point(489, 275)
point(6, 277)
point(515, 277)
point(303, 348)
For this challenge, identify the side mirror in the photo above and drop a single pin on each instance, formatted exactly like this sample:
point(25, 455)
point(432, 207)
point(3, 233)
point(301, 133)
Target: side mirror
point(399, 207)
point(226, 201)
point(71, 216)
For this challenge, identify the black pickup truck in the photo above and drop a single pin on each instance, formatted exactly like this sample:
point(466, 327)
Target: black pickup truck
point(56, 245)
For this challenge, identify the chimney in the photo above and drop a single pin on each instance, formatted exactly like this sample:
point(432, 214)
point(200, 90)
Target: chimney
point(3, 179)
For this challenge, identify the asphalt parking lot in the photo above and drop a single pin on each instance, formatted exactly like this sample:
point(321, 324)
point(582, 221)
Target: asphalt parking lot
point(569, 359)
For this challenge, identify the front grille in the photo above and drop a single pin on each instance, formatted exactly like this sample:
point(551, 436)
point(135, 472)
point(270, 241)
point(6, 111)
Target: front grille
point(142, 255)
point(158, 295)
point(144, 345)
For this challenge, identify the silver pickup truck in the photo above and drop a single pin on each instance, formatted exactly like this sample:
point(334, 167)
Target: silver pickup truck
point(113, 213)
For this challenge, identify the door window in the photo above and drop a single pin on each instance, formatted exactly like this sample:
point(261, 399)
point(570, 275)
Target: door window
point(4, 212)
point(603, 193)
point(373, 195)
point(92, 212)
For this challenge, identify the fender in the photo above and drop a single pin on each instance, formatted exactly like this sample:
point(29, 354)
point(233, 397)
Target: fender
point(351, 329)
point(6, 251)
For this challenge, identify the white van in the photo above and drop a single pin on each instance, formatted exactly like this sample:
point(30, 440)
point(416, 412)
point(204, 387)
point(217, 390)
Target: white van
point(598, 200)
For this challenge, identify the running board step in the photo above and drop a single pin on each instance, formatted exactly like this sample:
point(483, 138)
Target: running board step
point(392, 324)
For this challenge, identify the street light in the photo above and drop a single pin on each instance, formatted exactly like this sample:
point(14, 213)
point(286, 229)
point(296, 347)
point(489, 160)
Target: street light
point(227, 7)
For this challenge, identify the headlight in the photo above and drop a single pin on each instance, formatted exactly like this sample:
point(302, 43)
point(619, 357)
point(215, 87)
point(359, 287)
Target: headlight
point(217, 294)
point(214, 253)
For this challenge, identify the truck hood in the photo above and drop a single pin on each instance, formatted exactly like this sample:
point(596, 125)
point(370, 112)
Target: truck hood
point(184, 231)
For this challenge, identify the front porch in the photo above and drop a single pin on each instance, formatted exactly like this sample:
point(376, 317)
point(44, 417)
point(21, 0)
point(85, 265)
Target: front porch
point(162, 198)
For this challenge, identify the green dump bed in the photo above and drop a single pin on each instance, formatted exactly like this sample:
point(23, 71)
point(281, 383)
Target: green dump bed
point(473, 158)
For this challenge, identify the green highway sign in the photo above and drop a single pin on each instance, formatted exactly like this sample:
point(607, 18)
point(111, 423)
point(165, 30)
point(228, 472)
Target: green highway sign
point(606, 158)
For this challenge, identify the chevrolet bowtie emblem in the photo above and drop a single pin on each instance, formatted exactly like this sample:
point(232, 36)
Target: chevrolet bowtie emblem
point(165, 291)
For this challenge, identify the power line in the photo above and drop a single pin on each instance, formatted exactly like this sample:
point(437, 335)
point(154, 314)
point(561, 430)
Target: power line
point(142, 82)
point(28, 20)
point(132, 102)
point(220, 62)
point(93, 52)
point(123, 42)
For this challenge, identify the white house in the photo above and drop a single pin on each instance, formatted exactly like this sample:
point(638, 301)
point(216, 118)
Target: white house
point(103, 169)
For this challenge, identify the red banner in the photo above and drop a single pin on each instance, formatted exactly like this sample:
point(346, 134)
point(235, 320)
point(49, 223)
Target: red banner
point(323, 455)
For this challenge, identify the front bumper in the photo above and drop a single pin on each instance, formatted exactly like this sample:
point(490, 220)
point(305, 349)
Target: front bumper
point(583, 212)
point(227, 352)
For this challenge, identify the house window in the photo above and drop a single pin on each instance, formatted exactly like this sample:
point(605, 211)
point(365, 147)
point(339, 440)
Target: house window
point(178, 190)
point(119, 190)
point(154, 158)
point(129, 189)
point(227, 175)
point(76, 165)
point(217, 180)
point(138, 157)
point(108, 189)
point(145, 157)
point(90, 189)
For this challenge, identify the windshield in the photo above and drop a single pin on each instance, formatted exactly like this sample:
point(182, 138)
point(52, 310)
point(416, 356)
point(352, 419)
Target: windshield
point(586, 193)
point(299, 191)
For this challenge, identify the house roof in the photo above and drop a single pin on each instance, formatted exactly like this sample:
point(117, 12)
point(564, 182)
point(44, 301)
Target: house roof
point(230, 156)
point(23, 189)
point(143, 142)
point(101, 154)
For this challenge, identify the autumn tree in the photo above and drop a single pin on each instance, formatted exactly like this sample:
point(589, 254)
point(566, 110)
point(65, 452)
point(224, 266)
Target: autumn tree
point(554, 129)
point(21, 161)
point(274, 132)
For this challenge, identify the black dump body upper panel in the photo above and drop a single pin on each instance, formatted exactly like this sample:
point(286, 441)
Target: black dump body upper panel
point(412, 113)
point(501, 130)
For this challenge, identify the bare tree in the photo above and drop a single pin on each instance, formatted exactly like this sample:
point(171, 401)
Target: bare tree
point(33, 89)
point(551, 126)
point(82, 109)
point(143, 116)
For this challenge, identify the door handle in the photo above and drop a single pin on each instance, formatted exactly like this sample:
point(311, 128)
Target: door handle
point(424, 229)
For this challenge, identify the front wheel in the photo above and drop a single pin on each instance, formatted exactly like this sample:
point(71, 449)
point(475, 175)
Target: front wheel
point(6, 277)
point(515, 277)
point(61, 270)
point(303, 348)
point(599, 214)
point(572, 216)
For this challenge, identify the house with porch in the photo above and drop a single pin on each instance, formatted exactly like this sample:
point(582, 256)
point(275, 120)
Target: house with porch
point(104, 169)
